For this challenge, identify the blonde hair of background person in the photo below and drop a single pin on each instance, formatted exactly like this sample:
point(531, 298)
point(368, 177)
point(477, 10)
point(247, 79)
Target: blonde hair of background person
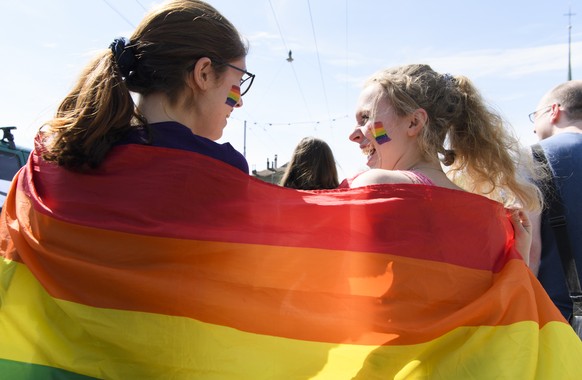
point(429, 115)
point(177, 61)
point(312, 166)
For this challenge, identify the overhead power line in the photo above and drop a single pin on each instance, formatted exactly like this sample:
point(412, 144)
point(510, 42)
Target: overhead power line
point(290, 61)
point(119, 13)
point(347, 54)
point(318, 58)
point(141, 5)
point(290, 123)
point(278, 26)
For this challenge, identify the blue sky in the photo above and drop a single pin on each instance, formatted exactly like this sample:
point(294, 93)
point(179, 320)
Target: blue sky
point(514, 51)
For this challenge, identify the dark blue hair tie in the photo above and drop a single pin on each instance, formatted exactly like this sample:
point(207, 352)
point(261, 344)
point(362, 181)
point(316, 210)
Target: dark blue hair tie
point(449, 79)
point(124, 56)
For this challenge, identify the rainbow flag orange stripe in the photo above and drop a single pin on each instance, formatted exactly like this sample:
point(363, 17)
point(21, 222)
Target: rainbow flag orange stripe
point(169, 264)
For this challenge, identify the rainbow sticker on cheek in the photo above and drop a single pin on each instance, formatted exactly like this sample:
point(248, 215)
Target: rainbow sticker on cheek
point(380, 133)
point(233, 96)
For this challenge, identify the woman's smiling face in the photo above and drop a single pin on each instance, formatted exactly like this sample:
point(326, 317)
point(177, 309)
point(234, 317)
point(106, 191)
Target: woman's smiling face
point(380, 132)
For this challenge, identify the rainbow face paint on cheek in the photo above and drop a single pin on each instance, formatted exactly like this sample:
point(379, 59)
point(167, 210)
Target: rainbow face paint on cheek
point(233, 96)
point(380, 133)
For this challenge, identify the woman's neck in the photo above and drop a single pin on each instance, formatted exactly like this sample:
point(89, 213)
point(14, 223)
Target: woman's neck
point(423, 164)
point(154, 108)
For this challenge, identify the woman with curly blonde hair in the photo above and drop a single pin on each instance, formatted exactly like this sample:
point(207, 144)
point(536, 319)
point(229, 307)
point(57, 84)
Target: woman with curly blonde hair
point(427, 118)
point(412, 120)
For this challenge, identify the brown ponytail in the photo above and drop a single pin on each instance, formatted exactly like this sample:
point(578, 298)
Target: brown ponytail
point(100, 110)
point(93, 116)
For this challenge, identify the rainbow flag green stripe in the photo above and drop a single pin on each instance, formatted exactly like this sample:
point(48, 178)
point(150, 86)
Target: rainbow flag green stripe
point(14, 370)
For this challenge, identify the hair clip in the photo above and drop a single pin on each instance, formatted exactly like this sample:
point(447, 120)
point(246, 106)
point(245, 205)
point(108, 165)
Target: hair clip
point(448, 78)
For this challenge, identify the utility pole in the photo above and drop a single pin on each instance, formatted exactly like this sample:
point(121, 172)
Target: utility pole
point(570, 14)
point(245, 141)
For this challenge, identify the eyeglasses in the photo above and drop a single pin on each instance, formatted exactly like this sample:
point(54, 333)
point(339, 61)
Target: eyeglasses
point(532, 116)
point(245, 82)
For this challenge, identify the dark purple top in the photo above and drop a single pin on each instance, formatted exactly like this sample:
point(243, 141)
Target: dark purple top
point(170, 134)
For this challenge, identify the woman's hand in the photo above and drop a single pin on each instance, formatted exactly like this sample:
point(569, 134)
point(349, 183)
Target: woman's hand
point(522, 228)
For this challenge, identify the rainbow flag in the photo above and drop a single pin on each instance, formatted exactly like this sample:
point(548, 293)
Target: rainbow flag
point(233, 96)
point(166, 264)
point(379, 133)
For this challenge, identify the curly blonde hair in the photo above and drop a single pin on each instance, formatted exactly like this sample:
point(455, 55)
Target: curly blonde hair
point(482, 155)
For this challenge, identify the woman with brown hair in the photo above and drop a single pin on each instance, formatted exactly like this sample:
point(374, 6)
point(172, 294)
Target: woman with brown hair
point(185, 62)
point(312, 166)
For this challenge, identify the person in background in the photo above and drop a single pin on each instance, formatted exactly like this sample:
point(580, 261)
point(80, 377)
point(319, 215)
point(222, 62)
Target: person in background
point(558, 124)
point(312, 166)
point(185, 62)
point(410, 118)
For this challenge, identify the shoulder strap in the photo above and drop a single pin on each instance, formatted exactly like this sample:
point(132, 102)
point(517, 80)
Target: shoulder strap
point(558, 222)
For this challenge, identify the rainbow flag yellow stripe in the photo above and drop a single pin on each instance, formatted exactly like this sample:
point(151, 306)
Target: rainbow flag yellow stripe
point(210, 283)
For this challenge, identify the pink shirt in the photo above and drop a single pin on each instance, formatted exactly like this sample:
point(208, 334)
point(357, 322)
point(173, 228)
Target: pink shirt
point(415, 176)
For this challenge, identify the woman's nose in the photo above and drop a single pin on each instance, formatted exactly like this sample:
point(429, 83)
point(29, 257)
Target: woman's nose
point(239, 103)
point(357, 135)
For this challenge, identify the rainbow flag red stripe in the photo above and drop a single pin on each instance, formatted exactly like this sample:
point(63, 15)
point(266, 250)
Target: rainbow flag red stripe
point(168, 264)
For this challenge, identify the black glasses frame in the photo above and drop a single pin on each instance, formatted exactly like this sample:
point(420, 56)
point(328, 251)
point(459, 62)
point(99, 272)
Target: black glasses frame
point(250, 76)
point(532, 116)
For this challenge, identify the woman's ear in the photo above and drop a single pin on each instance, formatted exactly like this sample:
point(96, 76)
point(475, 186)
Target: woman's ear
point(418, 120)
point(201, 76)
